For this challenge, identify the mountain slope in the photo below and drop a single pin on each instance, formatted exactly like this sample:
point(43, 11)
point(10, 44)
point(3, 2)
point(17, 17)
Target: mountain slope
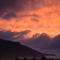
point(56, 42)
point(41, 42)
point(16, 49)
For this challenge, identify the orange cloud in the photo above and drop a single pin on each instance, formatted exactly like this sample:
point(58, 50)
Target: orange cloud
point(47, 20)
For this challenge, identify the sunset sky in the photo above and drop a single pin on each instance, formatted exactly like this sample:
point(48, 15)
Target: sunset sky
point(34, 16)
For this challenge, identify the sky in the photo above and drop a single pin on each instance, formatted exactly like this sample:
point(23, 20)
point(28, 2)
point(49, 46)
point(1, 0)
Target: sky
point(24, 18)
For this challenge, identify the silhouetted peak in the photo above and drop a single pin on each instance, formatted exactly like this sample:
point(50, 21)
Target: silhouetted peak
point(36, 35)
point(56, 37)
point(44, 35)
point(18, 49)
point(10, 43)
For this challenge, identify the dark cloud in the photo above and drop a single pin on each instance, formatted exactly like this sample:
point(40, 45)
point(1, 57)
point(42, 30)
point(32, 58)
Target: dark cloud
point(14, 4)
point(7, 3)
point(43, 3)
point(21, 35)
point(13, 35)
point(21, 4)
point(35, 18)
point(9, 15)
point(8, 6)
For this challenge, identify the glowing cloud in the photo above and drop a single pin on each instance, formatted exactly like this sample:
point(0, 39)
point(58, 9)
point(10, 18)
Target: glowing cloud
point(39, 18)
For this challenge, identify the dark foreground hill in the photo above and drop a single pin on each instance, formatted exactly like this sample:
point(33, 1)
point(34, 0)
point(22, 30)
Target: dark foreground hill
point(7, 47)
point(10, 50)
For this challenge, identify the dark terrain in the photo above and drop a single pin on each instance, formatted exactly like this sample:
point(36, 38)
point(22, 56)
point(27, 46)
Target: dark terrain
point(10, 50)
point(15, 51)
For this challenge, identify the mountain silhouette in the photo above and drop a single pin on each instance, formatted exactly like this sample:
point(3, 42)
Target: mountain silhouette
point(16, 49)
point(56, 42)
point(57, 38)
point(41, 41)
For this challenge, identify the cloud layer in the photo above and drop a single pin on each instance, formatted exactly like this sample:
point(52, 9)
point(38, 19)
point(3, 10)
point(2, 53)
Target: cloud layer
point(15, 36)
point(39, 16)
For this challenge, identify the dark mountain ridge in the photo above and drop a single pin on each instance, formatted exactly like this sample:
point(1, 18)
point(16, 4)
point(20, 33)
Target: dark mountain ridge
point(8, 47)
point(44, 41)
point(41, 41)
point(56, 42)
